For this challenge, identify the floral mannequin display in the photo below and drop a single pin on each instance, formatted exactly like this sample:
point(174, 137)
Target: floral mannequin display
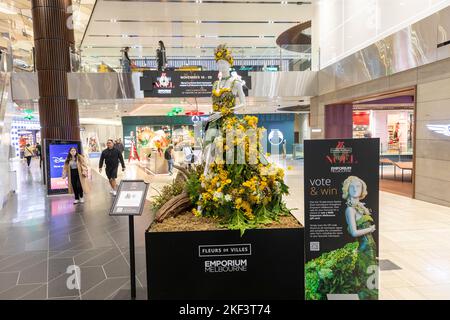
point(241, 189)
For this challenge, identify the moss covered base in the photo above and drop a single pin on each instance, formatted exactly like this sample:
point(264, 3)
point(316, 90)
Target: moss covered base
point(189, 222)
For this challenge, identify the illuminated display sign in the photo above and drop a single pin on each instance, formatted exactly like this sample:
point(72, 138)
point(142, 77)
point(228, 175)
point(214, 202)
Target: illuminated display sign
point(57, 152)
point(180, 84)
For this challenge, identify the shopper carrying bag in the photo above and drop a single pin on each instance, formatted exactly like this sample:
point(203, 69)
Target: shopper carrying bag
point(28, 154)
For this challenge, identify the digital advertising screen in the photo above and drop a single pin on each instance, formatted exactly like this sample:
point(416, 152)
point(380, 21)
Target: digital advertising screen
point(57, 152)
point(181, 84)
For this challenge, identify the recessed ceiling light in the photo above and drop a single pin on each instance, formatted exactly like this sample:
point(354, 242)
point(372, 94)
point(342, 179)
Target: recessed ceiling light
point(113, 20)
point(198, 21)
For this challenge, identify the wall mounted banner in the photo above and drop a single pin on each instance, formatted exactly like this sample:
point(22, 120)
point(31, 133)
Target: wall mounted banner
point(341, 219)
point(182, 84)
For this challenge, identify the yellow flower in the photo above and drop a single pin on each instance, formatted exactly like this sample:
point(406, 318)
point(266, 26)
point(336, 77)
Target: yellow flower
point(289, 168)
point(238, 203)
point(196, 212)
point(280, 174)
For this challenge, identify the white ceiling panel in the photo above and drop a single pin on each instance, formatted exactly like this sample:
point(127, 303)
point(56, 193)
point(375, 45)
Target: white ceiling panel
point(251, 11)
point(189, 28)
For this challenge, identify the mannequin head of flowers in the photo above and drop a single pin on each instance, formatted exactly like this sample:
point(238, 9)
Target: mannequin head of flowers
point(223, 53)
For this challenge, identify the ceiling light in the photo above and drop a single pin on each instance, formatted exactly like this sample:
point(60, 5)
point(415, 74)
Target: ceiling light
point(4, 8)
point(270, 21)
point(198, 1)
point(198, 21)
point(113, 20)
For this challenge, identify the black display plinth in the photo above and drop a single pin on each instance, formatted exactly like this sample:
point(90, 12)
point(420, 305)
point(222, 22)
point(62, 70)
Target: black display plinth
point(264, 264)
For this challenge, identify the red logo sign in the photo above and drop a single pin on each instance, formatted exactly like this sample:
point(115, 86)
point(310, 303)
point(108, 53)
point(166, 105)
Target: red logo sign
point(341, 155)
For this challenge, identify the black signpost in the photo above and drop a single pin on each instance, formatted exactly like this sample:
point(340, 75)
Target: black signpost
point(130, 202)
point(341, 219)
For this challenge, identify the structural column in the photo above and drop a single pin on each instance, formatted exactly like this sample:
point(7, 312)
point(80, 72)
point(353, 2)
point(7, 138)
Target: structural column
point(53, 36)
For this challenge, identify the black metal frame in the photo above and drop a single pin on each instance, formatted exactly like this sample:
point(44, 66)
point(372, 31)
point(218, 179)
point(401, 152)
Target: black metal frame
point(141, 205)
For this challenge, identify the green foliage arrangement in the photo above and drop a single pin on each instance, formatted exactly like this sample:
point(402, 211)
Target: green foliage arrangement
point(337, 272)
point(168, 192)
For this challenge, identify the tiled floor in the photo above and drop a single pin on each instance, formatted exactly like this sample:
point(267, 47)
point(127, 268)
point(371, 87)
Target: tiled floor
point(40, 237)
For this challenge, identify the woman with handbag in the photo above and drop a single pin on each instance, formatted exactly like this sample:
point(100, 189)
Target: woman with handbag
point(76, 170)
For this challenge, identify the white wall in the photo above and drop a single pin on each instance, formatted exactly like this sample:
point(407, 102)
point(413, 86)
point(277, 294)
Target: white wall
point(103, 132)
point(346, 26)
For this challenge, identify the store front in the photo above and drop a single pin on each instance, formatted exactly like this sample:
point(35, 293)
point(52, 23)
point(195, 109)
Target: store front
point(146, 138)
point(24, 132)
point(389, 117)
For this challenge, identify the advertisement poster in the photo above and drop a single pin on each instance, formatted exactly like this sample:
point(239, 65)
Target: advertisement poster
point(56, 155)
point(180, 84)
point(341, 219)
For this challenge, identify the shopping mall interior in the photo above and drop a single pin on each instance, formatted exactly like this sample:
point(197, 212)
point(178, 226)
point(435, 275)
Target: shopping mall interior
point(151, 78)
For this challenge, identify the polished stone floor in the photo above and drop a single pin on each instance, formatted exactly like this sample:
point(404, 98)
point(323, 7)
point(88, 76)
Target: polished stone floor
point(41, 237)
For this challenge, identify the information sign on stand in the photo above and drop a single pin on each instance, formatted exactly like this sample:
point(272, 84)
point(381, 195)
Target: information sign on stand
point(341, 219)
point(130, 202)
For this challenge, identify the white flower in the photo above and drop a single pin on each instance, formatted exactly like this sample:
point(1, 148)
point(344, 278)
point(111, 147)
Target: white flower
point(218, 195)
point(203, 185)
point(228, 198)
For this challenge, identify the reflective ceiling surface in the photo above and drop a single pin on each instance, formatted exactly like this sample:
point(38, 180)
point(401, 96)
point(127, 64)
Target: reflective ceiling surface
point(190, 28)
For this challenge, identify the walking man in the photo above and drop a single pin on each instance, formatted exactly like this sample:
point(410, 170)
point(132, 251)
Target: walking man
point(169, 156)
point(39, 153)
point(111, 157)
